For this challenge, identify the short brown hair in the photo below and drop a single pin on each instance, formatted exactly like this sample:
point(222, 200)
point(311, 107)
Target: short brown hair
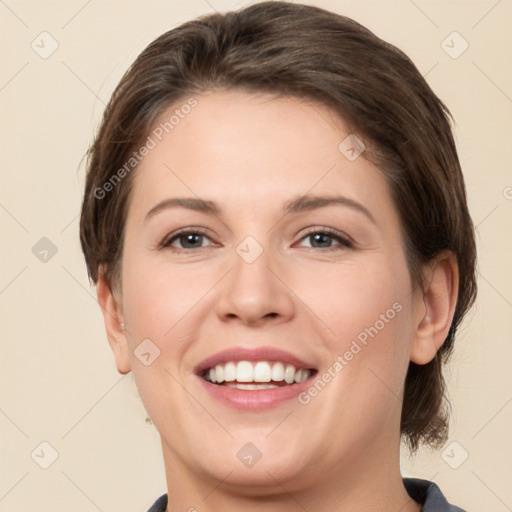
point(310, 53)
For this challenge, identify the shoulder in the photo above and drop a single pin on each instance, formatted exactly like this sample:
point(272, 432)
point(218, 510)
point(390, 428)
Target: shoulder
point(428, 494)
point(160, 504)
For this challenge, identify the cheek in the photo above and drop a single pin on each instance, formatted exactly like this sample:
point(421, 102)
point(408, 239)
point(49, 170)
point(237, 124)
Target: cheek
point(165, 304)
point(157, 296)
point(351, 297)
point(367, 310)
point(158, 305)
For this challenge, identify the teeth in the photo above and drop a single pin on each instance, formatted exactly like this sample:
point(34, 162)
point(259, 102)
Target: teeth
point(219, 373)
point(244, 372)
point(289, 374)
point(261, 371)
point(278, 372)
point(252, 387)
point(229, 372)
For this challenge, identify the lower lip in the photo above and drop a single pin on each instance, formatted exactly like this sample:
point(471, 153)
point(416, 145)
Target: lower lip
point(254, 400)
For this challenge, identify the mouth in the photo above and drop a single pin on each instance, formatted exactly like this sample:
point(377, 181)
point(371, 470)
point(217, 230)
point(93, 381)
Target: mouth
point(254, 379)
point(256, 375)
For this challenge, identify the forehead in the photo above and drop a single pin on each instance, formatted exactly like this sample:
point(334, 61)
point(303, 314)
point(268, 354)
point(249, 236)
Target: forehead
point(249, 150)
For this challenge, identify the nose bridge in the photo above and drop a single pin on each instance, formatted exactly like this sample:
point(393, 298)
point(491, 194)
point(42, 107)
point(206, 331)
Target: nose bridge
point(252, 292)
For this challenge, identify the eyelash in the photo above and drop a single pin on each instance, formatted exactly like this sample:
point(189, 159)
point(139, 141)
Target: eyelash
point(344, 242)
point(166, 243)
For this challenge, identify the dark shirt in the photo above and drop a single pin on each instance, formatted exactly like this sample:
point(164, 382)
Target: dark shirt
point(424, 492)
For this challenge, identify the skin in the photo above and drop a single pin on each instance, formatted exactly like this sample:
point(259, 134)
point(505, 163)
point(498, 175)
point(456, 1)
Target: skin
point(251, 154)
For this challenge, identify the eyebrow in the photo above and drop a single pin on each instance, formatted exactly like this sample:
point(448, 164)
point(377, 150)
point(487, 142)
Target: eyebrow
point(296, 205)
point(311, 202)
point(191, 203)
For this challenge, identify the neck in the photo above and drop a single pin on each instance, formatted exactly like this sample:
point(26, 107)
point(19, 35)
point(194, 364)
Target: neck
point(372, 483)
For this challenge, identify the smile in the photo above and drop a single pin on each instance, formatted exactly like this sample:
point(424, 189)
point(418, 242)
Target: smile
point(254, 375)
point(254, 379)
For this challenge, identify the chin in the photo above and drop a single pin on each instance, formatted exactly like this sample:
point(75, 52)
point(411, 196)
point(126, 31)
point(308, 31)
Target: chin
point(257, 467)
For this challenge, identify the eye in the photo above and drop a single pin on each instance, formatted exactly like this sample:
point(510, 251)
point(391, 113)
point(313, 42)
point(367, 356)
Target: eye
point(326, 238)
point(186, 239)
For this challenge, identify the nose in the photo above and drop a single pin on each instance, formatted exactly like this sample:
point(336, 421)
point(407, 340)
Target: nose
point(255, 294)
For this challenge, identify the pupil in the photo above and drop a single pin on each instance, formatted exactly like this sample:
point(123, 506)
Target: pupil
point(322, 240)
point(191, 240)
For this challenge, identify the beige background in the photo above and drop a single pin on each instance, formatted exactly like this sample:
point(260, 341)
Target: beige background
point(58, 381)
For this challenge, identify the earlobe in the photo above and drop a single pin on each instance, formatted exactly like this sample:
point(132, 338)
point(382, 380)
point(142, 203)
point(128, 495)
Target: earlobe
point(437, 307)
point(113, 318)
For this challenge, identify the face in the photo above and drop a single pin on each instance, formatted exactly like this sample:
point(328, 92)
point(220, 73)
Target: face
point(258, 246)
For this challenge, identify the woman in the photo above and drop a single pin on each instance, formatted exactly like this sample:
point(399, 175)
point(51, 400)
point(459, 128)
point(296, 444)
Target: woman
point(276, 222)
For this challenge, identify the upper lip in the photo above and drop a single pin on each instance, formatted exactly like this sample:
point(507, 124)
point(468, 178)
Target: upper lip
point(251, 354)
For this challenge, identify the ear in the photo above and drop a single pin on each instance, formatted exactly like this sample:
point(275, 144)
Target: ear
point(435, 306)
point(113, 318)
